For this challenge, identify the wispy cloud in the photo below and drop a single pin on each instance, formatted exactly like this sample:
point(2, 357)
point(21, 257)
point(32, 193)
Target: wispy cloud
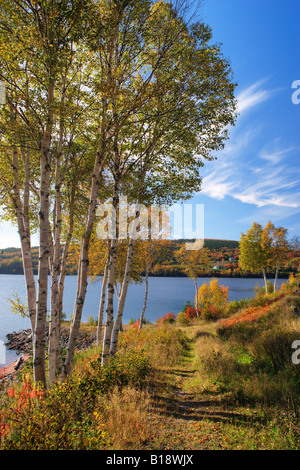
point(273, 153)
point(261, 175)
point(252, 96)
point(268, 185)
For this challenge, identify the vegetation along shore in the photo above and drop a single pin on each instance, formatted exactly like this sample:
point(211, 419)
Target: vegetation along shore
point(223, 377)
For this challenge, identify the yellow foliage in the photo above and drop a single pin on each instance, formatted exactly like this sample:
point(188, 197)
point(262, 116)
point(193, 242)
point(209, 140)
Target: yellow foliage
point(212, 299)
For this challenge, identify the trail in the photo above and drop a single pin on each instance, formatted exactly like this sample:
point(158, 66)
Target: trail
point(190, 419)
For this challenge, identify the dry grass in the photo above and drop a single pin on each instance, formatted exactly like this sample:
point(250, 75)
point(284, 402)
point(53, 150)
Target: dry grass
point(126, 418)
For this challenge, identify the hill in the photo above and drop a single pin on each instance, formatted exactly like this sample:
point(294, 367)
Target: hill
point(224, 260)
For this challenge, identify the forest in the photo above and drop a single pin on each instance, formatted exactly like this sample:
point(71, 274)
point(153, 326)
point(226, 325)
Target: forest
point(224, 261)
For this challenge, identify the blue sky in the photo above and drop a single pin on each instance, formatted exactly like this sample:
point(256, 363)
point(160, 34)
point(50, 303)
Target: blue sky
point(257, 176)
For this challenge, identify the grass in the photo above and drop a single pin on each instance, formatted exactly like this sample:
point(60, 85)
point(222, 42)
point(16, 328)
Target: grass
point(206, 385)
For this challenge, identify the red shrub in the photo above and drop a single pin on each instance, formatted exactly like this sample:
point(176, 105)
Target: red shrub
point(191, 312)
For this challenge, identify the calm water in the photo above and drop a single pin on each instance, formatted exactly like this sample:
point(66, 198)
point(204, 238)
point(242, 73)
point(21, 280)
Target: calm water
point(166, 294)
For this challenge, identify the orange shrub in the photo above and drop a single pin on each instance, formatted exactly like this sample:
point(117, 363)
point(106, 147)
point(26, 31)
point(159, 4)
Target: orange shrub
point(251, 314)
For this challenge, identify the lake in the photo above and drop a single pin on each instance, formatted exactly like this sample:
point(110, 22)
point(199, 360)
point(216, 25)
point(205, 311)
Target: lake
point(166, 294)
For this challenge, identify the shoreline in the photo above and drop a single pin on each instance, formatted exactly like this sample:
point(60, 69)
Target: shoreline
point(21, 343)
point(10, 370)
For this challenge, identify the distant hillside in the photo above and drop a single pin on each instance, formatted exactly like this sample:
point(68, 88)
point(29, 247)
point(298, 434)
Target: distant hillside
point(224, 261)
point(215, 244)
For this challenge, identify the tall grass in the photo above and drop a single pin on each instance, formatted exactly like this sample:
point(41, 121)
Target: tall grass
point(253, 360)
point(126, 418)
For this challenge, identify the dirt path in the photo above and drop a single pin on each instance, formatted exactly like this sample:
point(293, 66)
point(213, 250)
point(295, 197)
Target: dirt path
point(192, 420)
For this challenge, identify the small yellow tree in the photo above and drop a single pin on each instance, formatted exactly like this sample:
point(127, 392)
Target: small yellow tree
point(212, 299)
point(193, 263)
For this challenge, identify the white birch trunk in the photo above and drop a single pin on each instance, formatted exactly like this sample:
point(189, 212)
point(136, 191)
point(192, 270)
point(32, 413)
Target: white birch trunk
point(42, 304)
point(122, 298)
point(40, 327)
point(61, 284)
point(196, 298)
point(266, 282)
point(145, 298)
point(101, 306)
point(110, 303)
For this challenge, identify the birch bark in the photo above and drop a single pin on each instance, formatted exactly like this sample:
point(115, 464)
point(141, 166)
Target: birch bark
point(145, 298)
point(121, 301)
point(101, 306)
point(276, 277)
point(55, 272)
point(42, 297)
point(196, 297)
point(40, 327)
point(110, 302)
point(266, 281)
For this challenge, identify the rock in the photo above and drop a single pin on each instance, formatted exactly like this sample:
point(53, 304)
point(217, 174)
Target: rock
point(18, 363)
point(21, 341)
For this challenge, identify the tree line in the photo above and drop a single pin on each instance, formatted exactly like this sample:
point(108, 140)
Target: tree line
point(164, 265)
point(265, 249)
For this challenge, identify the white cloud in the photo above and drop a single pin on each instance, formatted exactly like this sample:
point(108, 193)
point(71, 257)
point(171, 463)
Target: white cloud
point(273, 153)
point(216, 186)
point(255, 174)
point(252, 96)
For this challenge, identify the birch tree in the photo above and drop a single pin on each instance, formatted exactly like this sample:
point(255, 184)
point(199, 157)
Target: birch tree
point(264, 248)
point(38, 128)
point(193, 263)
point(150, 101)
point(179, 119)
point(254, 255)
